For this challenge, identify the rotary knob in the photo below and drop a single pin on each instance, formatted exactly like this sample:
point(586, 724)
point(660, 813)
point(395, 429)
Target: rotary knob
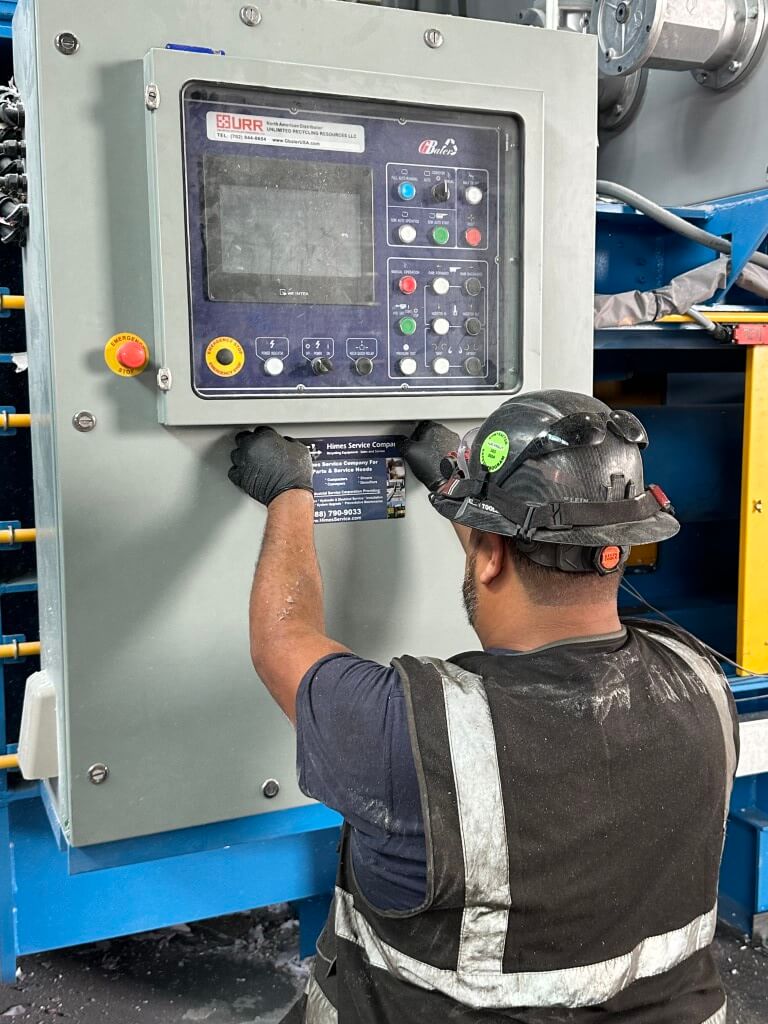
point(321, 365)
point(440, 365)
point(442, 191)
point(440, 325)
point(407, 366)
point(273, 366)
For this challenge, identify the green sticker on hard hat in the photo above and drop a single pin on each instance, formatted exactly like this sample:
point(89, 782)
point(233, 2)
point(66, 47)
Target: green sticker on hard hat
point(494, 451)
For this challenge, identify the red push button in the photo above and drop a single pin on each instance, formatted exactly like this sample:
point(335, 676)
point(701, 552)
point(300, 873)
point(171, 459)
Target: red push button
point(473, 236)
point(131, 355)
point(407, 284)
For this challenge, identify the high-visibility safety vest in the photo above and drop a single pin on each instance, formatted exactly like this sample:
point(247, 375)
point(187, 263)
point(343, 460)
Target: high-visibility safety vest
point(574, 805)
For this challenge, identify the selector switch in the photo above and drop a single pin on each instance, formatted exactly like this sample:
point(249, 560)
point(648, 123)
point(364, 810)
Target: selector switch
point(406, 234)
point(440, 365)
point(473, 195)
point(440, 285)
point(472, 325)
point(473, 366)
point(407, 366)
point(440, 325)
point(364, 366)
point(321, 365)
point(273, 366)
point(473, 286)
point(442, 191)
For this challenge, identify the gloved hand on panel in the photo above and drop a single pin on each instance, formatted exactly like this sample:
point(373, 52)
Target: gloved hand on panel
point(426, 448)
point(265, 464)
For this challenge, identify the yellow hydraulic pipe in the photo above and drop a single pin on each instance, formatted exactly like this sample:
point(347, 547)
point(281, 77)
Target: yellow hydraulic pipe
point(17, 535)
point(9, 761)
point(20, 650)
point(11, 302)
point(717, 317)
point(14, 420)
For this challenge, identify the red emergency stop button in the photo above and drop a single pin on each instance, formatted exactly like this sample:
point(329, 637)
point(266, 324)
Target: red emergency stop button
point(407, 284)
point(126, 354)
point(132, 355)
point(473, 236)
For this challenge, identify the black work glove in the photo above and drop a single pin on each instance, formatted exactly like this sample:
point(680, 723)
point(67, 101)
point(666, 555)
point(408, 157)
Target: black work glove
point(264, 464)
point(426, 448)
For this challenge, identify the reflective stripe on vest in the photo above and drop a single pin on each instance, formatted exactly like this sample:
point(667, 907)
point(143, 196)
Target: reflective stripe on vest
point(589, 985)
point(715, 685)
point(320, 1010)
point(481, 816)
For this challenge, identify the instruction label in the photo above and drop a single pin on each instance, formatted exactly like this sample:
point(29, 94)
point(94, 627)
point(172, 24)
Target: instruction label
point(357, 479)
point(260, 130)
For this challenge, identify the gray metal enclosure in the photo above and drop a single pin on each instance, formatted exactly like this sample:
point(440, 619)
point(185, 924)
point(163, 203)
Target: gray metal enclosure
point(145, 549)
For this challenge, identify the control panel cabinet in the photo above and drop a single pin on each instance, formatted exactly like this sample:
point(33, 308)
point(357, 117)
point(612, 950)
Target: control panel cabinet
point(344, 246)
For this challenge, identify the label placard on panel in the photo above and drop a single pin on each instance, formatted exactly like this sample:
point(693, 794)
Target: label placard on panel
point(357, 479)
point(282, 131)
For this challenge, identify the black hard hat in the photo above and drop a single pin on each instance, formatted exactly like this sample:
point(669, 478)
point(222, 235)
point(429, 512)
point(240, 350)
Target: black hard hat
point(557, 467)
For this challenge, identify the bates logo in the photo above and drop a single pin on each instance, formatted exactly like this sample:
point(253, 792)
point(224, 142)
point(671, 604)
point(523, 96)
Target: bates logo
point(431, 147)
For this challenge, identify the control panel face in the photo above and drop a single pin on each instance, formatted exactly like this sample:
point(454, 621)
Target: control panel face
point(349, 246)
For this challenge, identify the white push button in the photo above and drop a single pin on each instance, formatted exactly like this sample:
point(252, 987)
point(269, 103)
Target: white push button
point(441, 365)
point(407, 366)
point(273, 366)
point(440, 285)
point(473, 195)
point(406, 233)
point(440, 325)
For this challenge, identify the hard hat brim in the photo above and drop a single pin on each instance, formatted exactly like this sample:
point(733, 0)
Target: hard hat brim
point(479, 515)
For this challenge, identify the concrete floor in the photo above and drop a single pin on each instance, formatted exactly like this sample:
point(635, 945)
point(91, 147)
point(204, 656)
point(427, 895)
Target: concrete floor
point(242, 969)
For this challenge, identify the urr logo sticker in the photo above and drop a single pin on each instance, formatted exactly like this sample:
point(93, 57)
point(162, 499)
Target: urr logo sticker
point(236, 123)
point(431, 147)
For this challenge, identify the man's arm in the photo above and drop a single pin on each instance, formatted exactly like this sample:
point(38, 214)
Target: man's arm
point(286, 610)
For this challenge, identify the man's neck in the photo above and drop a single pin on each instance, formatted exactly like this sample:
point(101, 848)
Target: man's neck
point(548, 625)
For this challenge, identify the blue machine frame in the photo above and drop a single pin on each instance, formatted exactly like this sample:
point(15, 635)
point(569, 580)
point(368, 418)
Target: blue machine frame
point(52, 895)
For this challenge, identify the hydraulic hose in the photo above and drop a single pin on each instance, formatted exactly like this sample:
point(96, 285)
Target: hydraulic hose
point(671, 220)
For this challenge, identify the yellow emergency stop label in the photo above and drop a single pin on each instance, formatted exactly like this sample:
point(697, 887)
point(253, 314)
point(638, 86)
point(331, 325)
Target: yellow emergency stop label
point(122, 354)
point(224, 357)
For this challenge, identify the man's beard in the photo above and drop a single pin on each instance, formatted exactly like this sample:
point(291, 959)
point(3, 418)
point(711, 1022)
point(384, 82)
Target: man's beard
point(469, 591)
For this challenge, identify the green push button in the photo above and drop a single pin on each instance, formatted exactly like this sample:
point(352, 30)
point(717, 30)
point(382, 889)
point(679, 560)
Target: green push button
point(407, 325)
point(440, 235)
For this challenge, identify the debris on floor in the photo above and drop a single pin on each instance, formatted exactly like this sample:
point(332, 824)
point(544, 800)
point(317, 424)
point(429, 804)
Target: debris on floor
point(241, 969)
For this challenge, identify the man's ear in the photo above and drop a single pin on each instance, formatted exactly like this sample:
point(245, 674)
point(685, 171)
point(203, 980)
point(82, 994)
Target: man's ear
point(491, 557)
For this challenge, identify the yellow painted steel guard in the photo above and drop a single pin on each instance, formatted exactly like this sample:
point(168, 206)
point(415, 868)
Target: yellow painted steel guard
point(752, 636)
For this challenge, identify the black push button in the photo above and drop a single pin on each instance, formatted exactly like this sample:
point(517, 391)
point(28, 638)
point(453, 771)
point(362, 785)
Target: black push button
point(225, 357)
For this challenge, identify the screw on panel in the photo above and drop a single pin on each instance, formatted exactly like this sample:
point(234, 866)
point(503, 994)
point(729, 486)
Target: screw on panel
point(610, 53)
point(757, 506)
point(701, 76)
point(250, 15)
point(83, 421)
point(734, 66)
point(98, 773)
point(270, 788)
point(67, 43)
point(152, 96)
point(164, 378)
point(434, 38)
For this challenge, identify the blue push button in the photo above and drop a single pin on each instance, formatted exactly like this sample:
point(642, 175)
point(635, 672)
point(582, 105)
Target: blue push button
point(406, 190)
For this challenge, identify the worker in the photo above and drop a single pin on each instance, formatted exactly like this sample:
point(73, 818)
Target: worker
point(532, 830)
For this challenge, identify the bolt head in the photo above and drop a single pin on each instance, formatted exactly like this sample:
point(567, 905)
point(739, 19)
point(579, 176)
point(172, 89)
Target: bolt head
point(83, 421)
point(610, 53)
point(270, 789)
point(752, 13)
point(734, 66)
point(250, 15)
point(98, 773)
point(434, 38)
point(757, 506)
point(67, 43)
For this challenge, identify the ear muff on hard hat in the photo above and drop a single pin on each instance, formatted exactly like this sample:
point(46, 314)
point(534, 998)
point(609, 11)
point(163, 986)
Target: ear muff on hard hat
point(561, 468)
